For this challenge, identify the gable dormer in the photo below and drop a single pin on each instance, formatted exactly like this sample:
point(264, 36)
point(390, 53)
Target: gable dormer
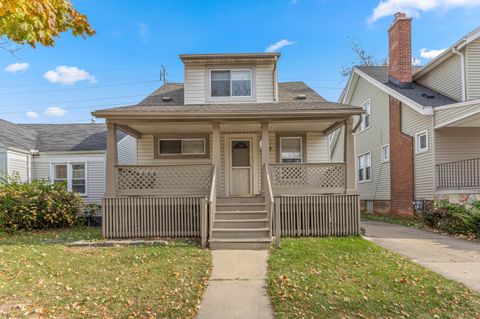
point(230, 78)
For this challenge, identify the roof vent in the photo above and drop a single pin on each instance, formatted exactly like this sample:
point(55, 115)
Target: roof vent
point(428, 96)
point(166, 98)
point(301, 97)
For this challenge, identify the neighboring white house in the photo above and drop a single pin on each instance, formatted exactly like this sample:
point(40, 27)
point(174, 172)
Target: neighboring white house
point(73, 153)
point(420, 136)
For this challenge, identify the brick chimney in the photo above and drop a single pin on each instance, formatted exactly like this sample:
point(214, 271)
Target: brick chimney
point(400, 51)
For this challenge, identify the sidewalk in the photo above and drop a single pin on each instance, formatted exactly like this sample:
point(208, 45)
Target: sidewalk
point(237, 286)
point(456, 259)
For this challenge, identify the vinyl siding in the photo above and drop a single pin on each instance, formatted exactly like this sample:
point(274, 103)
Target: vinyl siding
point(473, 70)
point(445, 78)
point(196, 86)
point(372, 140)
point(3, 161)
point(41, 167)
point(127, 150)
point(412, 123)
point(457, 143)
point(445, 116)
point(18, 165)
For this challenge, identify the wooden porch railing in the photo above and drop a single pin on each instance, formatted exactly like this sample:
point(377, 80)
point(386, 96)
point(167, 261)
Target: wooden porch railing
point(459, 174)
point(212, 204)
point(270, 201)
point(164, 179)
point(308, 178)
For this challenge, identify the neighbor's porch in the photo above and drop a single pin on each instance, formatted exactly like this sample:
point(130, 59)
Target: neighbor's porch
point(169, 194)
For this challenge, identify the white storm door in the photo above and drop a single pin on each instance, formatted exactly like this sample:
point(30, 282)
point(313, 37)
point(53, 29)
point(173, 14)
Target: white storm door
point(241, 168)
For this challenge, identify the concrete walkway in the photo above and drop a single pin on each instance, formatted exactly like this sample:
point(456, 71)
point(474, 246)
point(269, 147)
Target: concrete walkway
point(456, 259)
point(237, 286)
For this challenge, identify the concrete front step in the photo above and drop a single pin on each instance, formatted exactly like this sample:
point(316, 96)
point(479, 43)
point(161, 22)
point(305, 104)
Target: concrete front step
point(242, 243)
point(241, 207)
point(241, 223)
point(241, 200)
point(231, 215)
point(245, 233)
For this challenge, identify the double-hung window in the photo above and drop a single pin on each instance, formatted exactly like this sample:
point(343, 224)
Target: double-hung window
point(74, 174)
point(230, 83)
point(367, 117)
point(364, 167)
point(291, 149)
point(386, 153)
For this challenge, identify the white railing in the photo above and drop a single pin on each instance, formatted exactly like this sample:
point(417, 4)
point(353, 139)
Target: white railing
point(459, 174)
point(212, 203)
point(308, 178)
point(270, 200)
point(163, 180)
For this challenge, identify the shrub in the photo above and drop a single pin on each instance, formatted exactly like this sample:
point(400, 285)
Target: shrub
point(37, 205)
point(454, 218)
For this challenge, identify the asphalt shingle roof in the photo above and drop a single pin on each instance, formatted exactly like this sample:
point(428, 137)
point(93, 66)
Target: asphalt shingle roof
point(55, 137)
point(418, 93)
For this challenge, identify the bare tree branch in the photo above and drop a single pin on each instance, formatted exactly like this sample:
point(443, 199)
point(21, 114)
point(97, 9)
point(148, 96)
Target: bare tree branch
point(362, 57)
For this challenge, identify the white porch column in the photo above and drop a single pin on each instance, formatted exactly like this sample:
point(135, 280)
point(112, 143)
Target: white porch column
point(349, 158)
point(265, 152)
point(111, 160)
point(216, 159)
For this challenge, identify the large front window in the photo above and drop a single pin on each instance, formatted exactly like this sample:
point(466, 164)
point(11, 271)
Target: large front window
point(227, 83)
point(181, 146)
point(291, 149)
point(73, 174)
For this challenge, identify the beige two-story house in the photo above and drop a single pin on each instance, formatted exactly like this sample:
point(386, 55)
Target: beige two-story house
point(419, 139)
point(231, 156)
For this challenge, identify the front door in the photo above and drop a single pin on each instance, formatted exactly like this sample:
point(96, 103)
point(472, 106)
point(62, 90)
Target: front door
point(241, 172)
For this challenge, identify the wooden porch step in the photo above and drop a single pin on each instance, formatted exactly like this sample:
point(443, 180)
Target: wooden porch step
point(241, 200)
point(232, 215)
point(240, 243)
point(241, 207)
point(240, 232)
point(241, 223)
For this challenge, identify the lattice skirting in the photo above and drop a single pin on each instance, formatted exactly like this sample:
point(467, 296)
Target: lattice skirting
point(319, 215)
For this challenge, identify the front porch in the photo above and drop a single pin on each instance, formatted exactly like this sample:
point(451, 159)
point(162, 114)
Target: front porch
point(255, 180)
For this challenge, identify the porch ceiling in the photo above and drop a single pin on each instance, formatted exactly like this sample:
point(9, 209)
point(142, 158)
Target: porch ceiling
point(242, 127)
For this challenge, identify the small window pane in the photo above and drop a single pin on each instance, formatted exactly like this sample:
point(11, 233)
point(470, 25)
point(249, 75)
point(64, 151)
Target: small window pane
point(78, 170)
point(220, 83)
point(423, 141)
point(241, 154)
point(241, 85)
point(367, 173)
point(360, 174)
point(78, 185)
point(170, 146)
point(194, 146)
point(60, 171)
point(291, 150)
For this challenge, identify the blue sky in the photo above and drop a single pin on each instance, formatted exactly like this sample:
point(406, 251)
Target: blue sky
point(121, 63)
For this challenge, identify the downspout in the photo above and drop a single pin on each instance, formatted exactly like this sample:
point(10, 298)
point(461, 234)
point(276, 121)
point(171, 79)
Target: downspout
point(462, 70)
point(275, 79)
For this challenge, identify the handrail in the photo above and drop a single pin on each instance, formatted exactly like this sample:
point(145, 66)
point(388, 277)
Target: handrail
point(157, 165)
point(212, 199)
point(270, 199)
point(458, 174)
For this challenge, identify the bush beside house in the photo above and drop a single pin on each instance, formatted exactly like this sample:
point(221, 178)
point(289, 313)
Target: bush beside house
point(37, 205)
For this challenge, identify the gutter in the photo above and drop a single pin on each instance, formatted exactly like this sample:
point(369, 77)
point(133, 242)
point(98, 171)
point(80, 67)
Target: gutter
point(462, 68)
point(275, 80)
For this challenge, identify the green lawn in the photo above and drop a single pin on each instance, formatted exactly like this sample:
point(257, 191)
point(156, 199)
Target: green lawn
point(41, 277)
point(353, 278)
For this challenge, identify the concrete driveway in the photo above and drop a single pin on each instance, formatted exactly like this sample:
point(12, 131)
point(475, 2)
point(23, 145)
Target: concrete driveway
point(456, 259)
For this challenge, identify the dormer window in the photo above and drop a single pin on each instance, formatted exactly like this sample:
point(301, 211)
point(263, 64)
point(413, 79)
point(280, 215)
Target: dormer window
point(228, 83)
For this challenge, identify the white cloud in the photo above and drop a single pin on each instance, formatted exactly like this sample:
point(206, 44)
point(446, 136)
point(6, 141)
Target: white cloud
point(416, 61)
point(32, 115)
point(54, 111)
point(414, 7)
point(68, 75)
point(278, 45)
point(15, 67)
point(430, 54)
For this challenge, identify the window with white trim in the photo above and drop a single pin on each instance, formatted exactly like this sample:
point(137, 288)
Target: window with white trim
point(186, 146)
point(364, 167)
point(291, 149)
point(386, 153)
point(367, 117)
point(74, 174)
point(228, 83)
point(421, 142)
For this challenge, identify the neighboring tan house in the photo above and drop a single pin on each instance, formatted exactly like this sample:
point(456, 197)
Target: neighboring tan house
point(72, 153)
point(220, 153)
point(420, 137)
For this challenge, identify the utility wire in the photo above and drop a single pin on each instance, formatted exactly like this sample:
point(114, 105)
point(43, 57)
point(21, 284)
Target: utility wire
point(74, 101)
point(73, 108)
